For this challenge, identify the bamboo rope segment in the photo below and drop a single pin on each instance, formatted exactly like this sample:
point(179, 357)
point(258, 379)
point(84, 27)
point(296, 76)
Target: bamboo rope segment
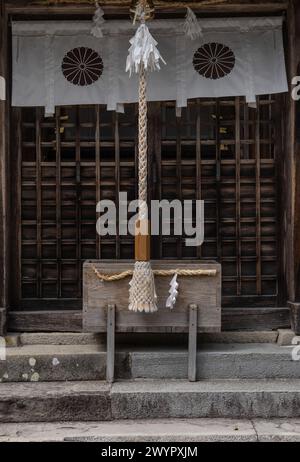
point(162, 273)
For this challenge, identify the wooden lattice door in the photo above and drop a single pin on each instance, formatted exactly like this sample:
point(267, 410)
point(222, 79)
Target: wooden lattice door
point(226, 153)
point(220, 151)
point(65, 165)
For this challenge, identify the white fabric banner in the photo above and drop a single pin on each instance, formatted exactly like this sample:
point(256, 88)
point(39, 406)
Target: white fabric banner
point(61, 63)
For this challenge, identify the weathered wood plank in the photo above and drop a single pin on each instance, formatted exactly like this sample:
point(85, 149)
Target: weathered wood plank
point(295, 317)
point(110, 352)
point(193, 321)
point(45, 321)
point(4, 172)
point(2, 321)
point(233, 319)
point(239, 6)
point(204, 291)
point(295, 70)
point(255, 319)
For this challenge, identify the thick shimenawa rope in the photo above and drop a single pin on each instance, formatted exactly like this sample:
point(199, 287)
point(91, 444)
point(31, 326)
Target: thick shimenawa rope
point(143, 148)
point(142, 294)
point(162, 273)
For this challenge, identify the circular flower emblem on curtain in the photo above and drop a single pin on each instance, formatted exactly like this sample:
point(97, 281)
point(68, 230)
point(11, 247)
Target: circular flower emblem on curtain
point(214, 60)
point(82, 66)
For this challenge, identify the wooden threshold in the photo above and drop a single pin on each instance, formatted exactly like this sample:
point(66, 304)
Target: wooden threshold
point(233, 319)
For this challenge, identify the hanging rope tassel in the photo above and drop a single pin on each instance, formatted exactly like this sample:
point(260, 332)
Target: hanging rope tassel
point(142, 294)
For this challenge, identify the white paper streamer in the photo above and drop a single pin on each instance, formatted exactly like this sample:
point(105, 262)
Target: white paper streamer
point(171, 302)
point(98, 21)
point(143, 50)
point(191, 25)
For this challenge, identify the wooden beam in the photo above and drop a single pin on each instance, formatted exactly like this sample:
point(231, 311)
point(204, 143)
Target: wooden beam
point(233, 319)
point(296, 182)
point(255, 319)
point(45, 321)
point(292, 239)
point(117, 7)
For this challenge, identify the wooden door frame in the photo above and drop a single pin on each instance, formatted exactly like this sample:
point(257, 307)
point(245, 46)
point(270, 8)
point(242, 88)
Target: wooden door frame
point(232, 318)
point(4, 173)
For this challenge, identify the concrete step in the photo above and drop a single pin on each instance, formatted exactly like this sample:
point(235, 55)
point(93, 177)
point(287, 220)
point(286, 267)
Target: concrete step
point(149, 399)
point(161, 430)
point(46, 363)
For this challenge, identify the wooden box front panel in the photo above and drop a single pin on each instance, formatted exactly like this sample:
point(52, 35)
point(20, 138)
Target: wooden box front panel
point(205, 291)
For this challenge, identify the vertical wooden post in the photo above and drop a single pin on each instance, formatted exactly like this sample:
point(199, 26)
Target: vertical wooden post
point(4, 175)
point(292, 238)
point(192, 355)
point(110, 352)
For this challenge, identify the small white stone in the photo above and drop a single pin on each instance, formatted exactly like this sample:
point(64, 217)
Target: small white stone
point(5, 376)
point(35, 377)
point(32, 362)
point(25, 376)
point(55, 362)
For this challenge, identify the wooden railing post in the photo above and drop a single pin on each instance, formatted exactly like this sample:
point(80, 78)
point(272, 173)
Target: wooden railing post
point(4, 174)
point(192, 356)
point(110, 355)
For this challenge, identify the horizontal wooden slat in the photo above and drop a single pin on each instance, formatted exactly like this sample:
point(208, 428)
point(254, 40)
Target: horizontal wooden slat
point(45, 321)
point(255, 318)
point(71, 321)
point(22, 6)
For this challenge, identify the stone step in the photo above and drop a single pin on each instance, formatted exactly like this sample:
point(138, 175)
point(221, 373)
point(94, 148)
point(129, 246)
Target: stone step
point(219, 361)
point(160, 430)
point(46, 363)
point(149, 399)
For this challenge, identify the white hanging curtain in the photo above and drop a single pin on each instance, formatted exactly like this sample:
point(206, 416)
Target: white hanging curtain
point(62, 63)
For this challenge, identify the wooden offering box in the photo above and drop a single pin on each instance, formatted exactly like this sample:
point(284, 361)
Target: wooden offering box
point(203, 291)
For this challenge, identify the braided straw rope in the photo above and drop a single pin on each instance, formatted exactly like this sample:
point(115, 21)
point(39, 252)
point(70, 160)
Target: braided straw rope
point(142, 294)
point(143, 161)
point(162, 273)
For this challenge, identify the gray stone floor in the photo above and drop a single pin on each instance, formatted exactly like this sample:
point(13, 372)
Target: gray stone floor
point(169, 430)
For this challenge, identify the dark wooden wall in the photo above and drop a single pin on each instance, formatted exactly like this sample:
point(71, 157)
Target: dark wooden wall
point(290, 181)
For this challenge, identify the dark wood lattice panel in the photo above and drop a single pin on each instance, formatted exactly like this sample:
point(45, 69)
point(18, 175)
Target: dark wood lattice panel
point(68, 164)
point(224, 153)
point(219, 151)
